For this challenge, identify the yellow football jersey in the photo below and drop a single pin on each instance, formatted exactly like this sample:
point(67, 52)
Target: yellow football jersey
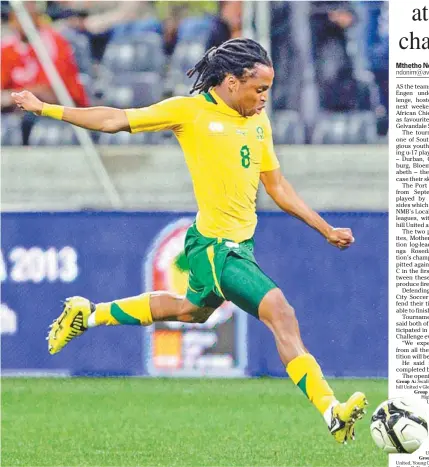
point(225, 153)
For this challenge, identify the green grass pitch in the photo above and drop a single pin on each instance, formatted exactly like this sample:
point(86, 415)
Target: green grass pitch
point(176, 422)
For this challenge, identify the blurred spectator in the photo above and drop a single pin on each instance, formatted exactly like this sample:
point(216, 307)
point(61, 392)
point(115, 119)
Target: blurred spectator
point(97, 19)
point(333, 65)
point(288, 65)
point(170, 22)
point(21, 69)
point(378, 54)
point(200, 7)
point(172, 13)
point(227, 24)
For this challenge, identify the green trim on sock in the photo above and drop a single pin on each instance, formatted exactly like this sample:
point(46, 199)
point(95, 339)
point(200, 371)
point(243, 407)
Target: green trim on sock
point(122, 317)
point(302, 384)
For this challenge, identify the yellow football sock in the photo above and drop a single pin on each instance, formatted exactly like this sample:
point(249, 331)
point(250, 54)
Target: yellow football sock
point(305, 372)
point(132, 310)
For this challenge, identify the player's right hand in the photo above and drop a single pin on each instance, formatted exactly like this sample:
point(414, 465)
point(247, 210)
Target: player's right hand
point(26, 100)
point(340, 237)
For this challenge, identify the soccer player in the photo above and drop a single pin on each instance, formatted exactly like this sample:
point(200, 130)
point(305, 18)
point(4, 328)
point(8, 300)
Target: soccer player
point(226, 138)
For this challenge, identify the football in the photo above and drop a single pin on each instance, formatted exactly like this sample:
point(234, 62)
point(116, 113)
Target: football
point(398, 427)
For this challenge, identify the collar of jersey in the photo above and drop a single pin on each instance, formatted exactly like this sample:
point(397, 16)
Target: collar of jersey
point(222, 106)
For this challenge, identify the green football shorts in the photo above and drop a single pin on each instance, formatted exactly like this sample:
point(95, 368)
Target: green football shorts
point(221, 269)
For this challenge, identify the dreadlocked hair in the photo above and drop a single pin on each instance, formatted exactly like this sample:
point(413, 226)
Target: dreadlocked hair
point(233, 56)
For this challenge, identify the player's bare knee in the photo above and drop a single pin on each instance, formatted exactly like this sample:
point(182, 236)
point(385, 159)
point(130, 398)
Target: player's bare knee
point(276, 312)
point(282, 319)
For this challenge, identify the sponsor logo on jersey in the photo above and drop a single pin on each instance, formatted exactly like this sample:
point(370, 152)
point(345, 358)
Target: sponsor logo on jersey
point(216, 127)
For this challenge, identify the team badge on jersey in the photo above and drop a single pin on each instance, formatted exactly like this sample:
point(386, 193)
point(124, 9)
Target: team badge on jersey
point(259, 133)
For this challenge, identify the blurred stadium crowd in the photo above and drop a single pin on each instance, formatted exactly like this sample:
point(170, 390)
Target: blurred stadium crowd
point(330, 59)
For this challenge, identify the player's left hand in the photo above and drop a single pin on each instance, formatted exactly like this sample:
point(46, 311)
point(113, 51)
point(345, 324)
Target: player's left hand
point(340, 237)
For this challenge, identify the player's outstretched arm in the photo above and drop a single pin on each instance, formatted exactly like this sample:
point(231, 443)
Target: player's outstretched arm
point(287, 199)
point(105, 119)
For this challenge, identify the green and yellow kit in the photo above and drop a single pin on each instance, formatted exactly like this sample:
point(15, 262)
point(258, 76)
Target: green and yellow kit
point(225, 153)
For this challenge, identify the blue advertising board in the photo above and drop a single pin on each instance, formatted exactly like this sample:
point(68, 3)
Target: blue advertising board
point(340, 297)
